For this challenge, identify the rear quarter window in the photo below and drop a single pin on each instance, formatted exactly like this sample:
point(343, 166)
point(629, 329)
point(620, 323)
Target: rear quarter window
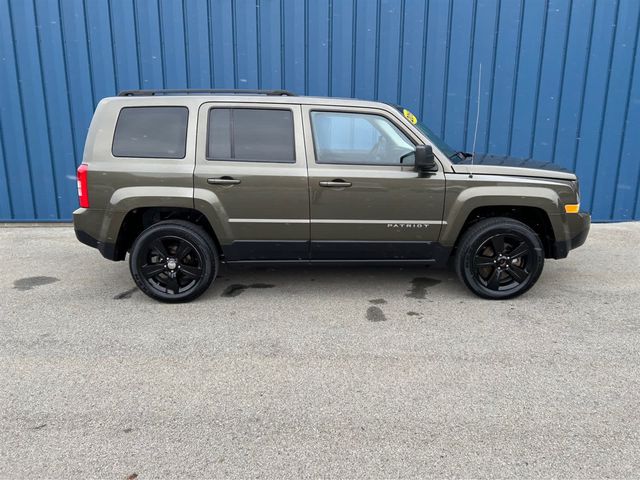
point(151, 132)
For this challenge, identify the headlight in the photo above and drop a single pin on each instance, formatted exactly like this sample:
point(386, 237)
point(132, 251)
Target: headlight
point(575, 185)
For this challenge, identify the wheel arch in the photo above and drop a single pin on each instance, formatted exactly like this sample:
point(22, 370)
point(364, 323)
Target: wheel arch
point(535, 218)
point(136, 220)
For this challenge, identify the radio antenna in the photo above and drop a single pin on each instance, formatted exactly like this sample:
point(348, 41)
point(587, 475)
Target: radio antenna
point(475, 132)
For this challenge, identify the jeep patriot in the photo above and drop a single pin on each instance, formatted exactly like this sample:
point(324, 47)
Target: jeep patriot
point(185, 180)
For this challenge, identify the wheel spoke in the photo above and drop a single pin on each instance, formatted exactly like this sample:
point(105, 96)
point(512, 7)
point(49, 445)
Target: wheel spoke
point(494, 280)
point(159, 247)
point(152, 269)
point(517, 273)
point(481, 261)
point(497, 242)
point(190, 271)
point(518, 251)
point(172, 284)
point(183, 249)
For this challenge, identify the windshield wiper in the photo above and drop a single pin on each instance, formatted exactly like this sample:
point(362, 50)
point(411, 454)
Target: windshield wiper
point(462, 155)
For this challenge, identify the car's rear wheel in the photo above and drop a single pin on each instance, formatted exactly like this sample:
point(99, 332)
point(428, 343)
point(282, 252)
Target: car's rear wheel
point(173, 261)
point(499, 258)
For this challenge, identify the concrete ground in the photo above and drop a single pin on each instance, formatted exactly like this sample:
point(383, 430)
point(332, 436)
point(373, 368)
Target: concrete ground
point(308, 372)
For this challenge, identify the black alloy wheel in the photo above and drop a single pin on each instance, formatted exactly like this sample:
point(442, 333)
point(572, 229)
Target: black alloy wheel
point(173, 261)
point(171, 265)
point(500, 258)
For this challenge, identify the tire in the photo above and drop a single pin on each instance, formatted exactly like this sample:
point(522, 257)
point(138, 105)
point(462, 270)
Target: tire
point(499, 258)
point(173, 261)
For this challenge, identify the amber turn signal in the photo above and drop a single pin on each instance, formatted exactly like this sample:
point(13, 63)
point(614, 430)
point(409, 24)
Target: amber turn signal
point(572, 208)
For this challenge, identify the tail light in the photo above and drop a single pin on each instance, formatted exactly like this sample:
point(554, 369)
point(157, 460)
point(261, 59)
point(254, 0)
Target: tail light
point(83, 193)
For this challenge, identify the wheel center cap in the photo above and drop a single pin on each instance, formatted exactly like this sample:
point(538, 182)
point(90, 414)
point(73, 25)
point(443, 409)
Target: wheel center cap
point(502, 261)
point(172, 264)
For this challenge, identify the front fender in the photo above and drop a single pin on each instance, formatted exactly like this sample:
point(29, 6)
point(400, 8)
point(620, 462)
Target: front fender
point(460, 204)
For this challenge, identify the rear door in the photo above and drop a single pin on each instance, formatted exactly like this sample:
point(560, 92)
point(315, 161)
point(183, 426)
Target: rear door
point(367, 201)
point(251, 160)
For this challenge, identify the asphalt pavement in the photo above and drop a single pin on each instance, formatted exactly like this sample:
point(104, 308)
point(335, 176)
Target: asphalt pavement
point(317, 372)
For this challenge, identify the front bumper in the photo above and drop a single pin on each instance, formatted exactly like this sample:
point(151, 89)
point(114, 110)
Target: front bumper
point(577, 229)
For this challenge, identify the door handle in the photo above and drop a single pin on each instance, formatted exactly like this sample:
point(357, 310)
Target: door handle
point(223, 181)
point(337, 183)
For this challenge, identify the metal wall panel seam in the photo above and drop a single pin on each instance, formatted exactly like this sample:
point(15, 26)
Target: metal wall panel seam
point(258, 43)
point(86, 38)
point(185, 39)
point(67, 91)
point(163, 58)
point(445, 74)
point(634, 72)
point(376, 69)
point(563, 69)
point(493, 75)
point(584, 89)
point(113, 50)
point(46, 111)
point(604, 110)
point(283, 63)
point(400, 55)
point(306, 47)
point(6, 173)
point(234, 40)
point(354, 28)
point(210, 44)
point(540, 62)
point(330, 53)
point(423, 65)
point(516, 76)
point(21, 106)
point(136, 29)
point(472, 35)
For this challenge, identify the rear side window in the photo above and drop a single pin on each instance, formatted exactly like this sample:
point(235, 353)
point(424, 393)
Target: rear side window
point(250, 135)
point(151, 132)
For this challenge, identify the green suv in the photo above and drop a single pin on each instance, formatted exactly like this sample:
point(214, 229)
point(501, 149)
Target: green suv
point(185, 180)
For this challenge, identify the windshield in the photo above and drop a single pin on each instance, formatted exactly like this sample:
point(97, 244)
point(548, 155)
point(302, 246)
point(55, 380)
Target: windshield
point(435, 139)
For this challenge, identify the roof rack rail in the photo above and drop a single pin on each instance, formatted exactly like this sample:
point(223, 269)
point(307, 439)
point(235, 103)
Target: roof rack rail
point(147, 93)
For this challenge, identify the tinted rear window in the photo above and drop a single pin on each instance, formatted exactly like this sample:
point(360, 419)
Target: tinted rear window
point(251, 135)
point(151, 132)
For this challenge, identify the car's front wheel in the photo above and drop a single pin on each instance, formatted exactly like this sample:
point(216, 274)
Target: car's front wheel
point(173, 261)
point(499, 258)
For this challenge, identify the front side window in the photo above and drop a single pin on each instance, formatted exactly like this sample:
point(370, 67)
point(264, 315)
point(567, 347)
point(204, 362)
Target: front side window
point(151, 132)
point(250, 135)
point(359, 139)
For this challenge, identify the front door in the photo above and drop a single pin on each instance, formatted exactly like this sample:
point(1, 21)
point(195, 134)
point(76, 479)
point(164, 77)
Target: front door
point(367, 201)
point(251, 170)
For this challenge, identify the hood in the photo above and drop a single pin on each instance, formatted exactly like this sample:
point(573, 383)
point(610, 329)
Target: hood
point(503, 165)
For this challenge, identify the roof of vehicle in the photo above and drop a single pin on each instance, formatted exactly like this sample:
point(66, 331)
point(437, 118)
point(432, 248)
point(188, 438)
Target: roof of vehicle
point(254, 96)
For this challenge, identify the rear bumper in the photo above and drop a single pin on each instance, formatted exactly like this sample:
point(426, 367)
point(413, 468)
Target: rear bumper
point(86, 224)
point(85, 238)
point(107, 250)
point(577, 229)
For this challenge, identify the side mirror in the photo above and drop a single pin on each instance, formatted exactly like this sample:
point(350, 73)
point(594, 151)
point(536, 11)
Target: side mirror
point(425, 160)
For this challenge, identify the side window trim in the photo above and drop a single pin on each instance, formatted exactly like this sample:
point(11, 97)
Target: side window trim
point(232, 109)
point(165, 157)
point(380, 114)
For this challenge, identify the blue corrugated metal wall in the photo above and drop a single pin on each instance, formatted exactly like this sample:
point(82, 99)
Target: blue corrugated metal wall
point(560, 77)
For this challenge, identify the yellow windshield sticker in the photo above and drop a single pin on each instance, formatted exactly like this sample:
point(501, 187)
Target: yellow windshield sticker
point(410, 116)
